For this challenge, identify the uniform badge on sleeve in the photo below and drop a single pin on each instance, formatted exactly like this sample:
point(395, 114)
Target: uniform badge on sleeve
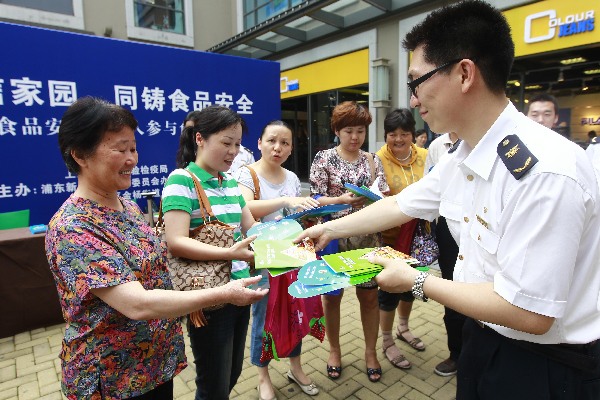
point(516, 156)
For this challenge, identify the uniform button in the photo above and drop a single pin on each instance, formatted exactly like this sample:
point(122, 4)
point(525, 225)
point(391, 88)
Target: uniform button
point(469, 177)
point(467, 220)
point(460, 257)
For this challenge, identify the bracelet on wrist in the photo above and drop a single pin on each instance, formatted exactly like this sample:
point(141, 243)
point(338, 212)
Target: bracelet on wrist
point(417, 288)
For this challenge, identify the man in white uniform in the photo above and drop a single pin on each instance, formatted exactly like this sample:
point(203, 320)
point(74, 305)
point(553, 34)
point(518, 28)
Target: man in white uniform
point(593, 152)
point(244, 157)
point(453, 321)
point(440, 146)
point(524, 211)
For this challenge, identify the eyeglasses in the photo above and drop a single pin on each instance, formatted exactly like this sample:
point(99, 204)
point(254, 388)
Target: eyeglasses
point(412, 85)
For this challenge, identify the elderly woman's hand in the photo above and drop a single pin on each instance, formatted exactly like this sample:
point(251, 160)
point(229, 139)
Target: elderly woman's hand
point(237, 291)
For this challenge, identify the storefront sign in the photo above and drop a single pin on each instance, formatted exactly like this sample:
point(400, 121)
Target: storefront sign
point(552, 25)
point(590, 120)
point(337, 72)
point(286, 85)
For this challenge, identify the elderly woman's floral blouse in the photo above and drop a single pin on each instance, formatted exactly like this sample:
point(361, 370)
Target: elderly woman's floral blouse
point(105, 354)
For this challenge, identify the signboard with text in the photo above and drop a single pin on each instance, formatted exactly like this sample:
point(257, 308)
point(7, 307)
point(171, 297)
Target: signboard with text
point(43, 71)
point(553, 25)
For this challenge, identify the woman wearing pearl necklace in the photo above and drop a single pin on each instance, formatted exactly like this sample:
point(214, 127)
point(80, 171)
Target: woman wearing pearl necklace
point(403, 163)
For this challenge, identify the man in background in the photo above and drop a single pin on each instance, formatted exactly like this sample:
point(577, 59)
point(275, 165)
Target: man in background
point(453, 321)
point(543, 109)
point(244, 157)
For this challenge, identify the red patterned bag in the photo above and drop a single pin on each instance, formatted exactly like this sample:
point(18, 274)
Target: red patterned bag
point(289, 319)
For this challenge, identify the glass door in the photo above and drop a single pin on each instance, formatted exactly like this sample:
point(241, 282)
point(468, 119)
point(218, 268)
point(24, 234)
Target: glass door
point(294, 112)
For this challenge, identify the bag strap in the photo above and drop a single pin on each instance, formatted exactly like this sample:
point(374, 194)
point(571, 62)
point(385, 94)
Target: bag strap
point(202, 199)
point(254, 181)
point(160, 223)
point(371, 166)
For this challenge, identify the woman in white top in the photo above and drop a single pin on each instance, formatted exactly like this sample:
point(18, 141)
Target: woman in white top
point(279, 194)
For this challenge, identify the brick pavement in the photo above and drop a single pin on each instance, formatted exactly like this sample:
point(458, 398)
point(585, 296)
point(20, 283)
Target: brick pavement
point(30, 369)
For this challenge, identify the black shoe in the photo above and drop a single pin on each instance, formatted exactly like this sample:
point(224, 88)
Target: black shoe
point(446, 368)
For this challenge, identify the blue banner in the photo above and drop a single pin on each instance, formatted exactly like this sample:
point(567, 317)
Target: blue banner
point(43, 71)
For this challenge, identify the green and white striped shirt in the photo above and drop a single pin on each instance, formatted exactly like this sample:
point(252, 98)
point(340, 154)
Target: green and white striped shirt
point(223, 194)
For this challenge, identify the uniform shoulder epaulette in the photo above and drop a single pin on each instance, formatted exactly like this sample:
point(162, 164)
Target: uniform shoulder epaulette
point(595, 140)
point(247, 149)
point(454, 146)
point(516, 156)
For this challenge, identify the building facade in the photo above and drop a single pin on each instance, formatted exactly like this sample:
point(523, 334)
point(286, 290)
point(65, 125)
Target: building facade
point(336, 50)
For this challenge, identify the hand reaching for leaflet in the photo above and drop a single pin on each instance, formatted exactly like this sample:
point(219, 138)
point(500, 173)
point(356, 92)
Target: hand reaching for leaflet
point(241, 250)
point(352, 199)
point(302, 203)
point(237, 291)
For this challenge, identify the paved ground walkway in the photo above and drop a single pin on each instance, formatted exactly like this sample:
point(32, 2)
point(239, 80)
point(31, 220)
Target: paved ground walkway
point(30, 369)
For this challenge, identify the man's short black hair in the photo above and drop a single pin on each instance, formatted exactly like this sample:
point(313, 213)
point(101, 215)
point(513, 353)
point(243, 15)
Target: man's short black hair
point(545, 97)
point(470, 29)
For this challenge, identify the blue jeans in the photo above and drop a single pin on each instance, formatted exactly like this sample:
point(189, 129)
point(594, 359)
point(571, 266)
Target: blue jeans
point(219, 351)
point(259, 312)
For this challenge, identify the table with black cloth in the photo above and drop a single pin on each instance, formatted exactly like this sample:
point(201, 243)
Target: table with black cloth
point(28, 296)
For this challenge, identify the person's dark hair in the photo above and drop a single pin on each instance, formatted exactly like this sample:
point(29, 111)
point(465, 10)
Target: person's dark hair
point(276, 122)
point(84, 124)
point(350, 113)
point(211, 120)
point(192, 116)
point(399, 118)
point(543, 97)
point(591, 134)
point(470, 29)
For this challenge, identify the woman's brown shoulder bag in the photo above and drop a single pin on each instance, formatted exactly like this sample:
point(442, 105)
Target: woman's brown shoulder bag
point(187, 274)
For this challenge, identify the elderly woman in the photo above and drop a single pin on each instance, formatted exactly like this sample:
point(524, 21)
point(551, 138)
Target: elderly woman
point(122, 339)
point(403, 163)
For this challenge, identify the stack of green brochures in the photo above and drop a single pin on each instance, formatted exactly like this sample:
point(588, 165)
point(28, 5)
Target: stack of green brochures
point(340, 270)
point(275, 250)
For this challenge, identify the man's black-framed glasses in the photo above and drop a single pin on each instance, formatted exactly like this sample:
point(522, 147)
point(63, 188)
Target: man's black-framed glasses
point(412, 85)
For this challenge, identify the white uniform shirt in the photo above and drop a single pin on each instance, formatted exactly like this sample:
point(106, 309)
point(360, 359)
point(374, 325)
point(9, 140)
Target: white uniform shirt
point(593, 152)
point(244, 157)
point(537, 239)
point(436, 150)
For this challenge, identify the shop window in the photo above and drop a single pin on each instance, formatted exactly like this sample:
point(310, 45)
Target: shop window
point(258, 11)
point(164, 21)
point(59, 13)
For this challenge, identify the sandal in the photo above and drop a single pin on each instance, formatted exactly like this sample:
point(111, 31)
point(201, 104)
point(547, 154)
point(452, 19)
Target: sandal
point(413, 343)
point(398, 360)
point(331, 370)
point(372, 372)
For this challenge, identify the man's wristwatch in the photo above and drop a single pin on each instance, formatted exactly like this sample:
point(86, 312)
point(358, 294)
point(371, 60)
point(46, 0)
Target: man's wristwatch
point(417, 288)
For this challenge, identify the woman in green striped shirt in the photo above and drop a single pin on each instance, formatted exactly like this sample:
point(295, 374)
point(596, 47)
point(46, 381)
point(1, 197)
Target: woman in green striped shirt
point(207, 150)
